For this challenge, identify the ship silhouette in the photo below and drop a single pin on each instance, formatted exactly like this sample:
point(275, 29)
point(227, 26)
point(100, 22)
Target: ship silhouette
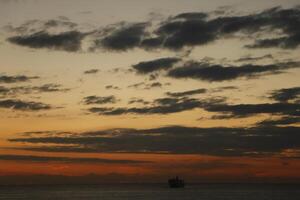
point(176, 182)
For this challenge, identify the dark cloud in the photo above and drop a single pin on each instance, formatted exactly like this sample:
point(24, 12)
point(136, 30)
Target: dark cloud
point(112, 87)
point(46, 133)
point(122, 38)
point(186, 93)
point(253, 59)
point(91, 71)
point(30, 158)
point(136, 85)
point(138, 101)
point(50, 88)
point(210, 72)
point(175, 33)
point(256, 141)
point(286, 94)
point(182, 102)
point(15, 91)
point(153, 85)
point(152, 43)
point(189, 32)
point(155, 65)
point(281, 121)
point(243, 110)
point(290, 42)
point(16, 104)
point(191, 29)
point(67, 41)
point(159, 106)
point(147, 86)
point(99, 100)
point(191, 15)
point(4, 91)
point(16, 79)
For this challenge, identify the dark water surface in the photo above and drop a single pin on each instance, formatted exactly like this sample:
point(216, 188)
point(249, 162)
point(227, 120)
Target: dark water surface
point(154, 192)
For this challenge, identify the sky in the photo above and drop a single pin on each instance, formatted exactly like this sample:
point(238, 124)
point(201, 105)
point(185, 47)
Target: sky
point(140, 91)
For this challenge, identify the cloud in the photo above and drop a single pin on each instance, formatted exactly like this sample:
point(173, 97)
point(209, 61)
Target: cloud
point(192, 29)
point(286, 94)
point(147, 86)
point(30, 158)
point(66, 41)
point(290, 42)
point(122, 38)
point(183, 30)
point(4, 91)
point(155, 65)
point(257, 141)
point(91, 71)
point(159, 106)
point(16, 79)
point(108, 87)
point(253, 59)
point(50, 88)
point(16, 104)
point(138, 101)
point(210, 72)
point(15, 91)
point(192, 16)
point(186, 93)
point(244, 110)
point(136, 85)
point(181, 101)
point(100, 100)
point(178, 32)
point(153, 85)
point(282, 121)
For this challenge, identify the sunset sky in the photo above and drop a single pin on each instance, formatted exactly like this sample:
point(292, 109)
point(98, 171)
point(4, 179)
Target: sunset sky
point(144, 90)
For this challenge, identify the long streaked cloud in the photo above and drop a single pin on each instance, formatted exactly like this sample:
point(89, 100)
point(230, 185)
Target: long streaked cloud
point(91, 71)
point(286, 94)
point(256, 141)
point(249, 58)
point(147, 86)
point(290, 42)
point(99, 99)
point(16, 91)
point(158, 106)
point(281, 121)
point(181, 101)
point(21, 105)
point(16, 79)
point(214, 73)
point(31, 158)
point(244, 110)
point(155, 65)
point(187, 93)
point(67, 41)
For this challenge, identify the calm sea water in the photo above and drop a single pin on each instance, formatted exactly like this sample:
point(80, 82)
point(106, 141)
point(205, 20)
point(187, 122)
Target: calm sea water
point(155, 192)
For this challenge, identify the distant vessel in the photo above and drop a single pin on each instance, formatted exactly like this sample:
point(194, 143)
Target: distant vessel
point(176, 183)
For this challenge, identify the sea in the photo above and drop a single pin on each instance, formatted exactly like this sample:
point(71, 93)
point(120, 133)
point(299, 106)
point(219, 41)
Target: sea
point(153, 192)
